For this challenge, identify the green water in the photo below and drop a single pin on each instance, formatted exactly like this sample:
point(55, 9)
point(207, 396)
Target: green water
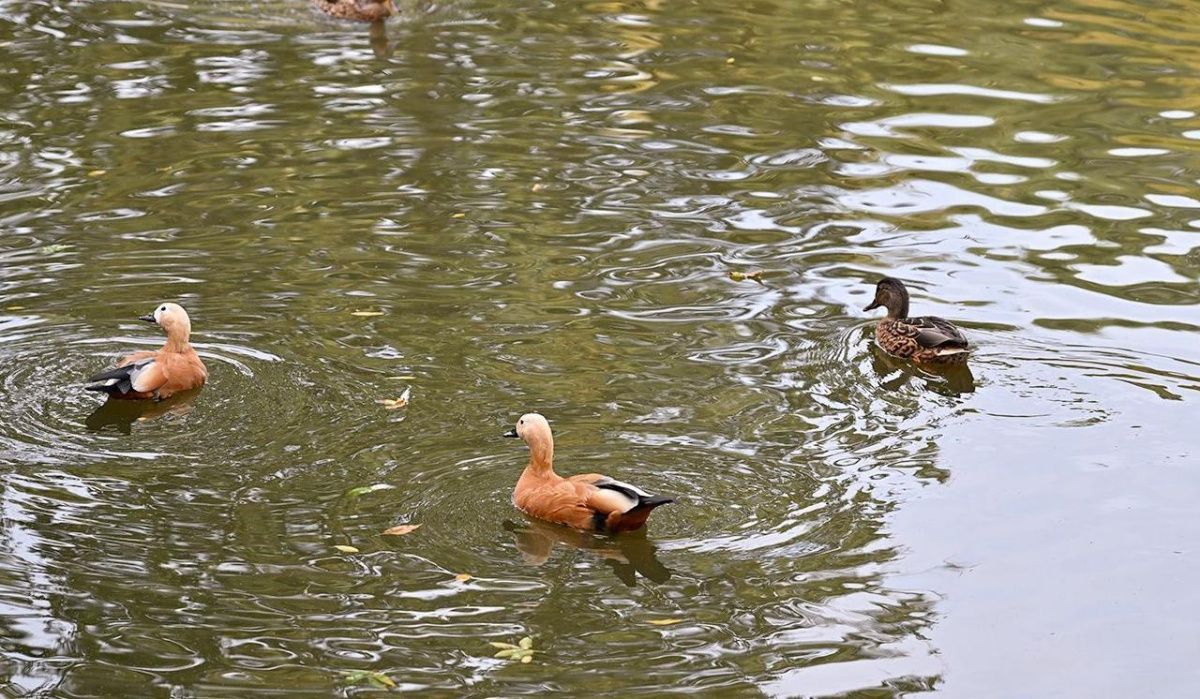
point(536, 206)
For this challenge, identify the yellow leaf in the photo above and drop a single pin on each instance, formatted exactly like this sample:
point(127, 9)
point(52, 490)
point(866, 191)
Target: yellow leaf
point(366, 314)
point(96, 173)
point(526, 642)
point(729, 60)
point(462, 577)
point(527, 659)
point(346, 549)
point(396, 403)
point(458, 215)
point(665, 622)
point(401, 529)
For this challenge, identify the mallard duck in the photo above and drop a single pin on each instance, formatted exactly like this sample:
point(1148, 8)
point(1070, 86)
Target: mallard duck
point(157, 374)
point(361, 10)
point(925, 339)
point(589, 501)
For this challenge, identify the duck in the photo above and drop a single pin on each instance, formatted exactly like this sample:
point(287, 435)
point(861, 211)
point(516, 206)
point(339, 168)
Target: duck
point(156, 374)
point(926, 339)
point(361, 10)
point(588, 501)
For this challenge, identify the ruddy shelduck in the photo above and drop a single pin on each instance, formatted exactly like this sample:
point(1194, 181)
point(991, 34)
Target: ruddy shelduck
point(925, 339)
point(159, 374)
point(361, 10)
point(589, 501)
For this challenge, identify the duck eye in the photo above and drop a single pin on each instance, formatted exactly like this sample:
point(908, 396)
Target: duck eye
point(520, 422)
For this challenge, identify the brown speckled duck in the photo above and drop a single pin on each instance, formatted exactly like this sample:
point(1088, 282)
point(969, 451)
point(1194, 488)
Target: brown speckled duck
point(926, 339)
point(361, 10)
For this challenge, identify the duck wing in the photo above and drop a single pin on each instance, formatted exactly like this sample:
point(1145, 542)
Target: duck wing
point(930, 331)
point(139, 376)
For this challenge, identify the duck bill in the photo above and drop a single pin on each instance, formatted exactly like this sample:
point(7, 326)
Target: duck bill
point(872, 306)
point(512, 434)
point(147, 318)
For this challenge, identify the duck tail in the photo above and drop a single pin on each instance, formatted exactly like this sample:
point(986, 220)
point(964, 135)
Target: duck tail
point(636, 517)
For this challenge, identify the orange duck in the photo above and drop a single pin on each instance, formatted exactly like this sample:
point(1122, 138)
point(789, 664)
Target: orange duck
point(361, 10)
point(157, 374)
point(588, 501)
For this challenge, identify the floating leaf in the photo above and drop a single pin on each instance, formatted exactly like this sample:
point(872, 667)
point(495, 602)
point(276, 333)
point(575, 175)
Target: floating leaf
point(96, 173)
point(730, 59)
point(458, 215)
point(401, 529)
point(665, 622)
point(462, 577)
point(396, 403)
point(376, 678)
point(14, 308)
point(366, 314)
point(346, 549)
point(526, 642)
point(527, 659)
point(507, 653)
point(755, 276)
point(51, 249)
point(381, 680)
point(501, 644)
point(402, 377)
point(364, 489)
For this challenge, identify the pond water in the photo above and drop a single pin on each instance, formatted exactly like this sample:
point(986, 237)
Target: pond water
point(508, 207)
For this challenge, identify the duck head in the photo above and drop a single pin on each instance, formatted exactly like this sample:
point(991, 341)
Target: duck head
point(891, 294)
point(173, 319)
point(535, 431)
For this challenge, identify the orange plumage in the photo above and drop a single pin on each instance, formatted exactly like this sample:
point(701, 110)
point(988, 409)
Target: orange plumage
point(157, 374)
point(588, 501)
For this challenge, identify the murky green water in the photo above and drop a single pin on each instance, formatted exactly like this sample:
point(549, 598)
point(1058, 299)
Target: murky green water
point(535, 206)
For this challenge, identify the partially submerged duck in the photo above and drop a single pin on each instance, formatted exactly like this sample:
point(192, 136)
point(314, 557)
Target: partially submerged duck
point(157, 374)
point(925, 339)
point(361, 10)
point(588, 501)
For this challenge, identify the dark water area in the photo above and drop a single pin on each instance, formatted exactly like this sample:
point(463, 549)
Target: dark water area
point(537, 206)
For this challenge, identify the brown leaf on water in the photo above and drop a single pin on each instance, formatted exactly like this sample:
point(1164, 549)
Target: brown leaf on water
point(462, 577)
point(401, 529)
point(664, 622)
point(396, 403)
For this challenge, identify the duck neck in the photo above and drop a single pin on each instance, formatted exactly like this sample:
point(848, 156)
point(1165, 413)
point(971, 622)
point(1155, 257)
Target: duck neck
point(541, 456)
point(897, 306)
point(177, 341)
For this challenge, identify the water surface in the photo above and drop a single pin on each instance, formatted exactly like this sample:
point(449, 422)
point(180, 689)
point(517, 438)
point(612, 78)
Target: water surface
point(537, 206)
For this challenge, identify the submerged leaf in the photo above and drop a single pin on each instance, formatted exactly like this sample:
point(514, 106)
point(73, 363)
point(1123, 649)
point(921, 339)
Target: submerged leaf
point(400, 529)
point(507, 653)
point(665, 622)
point(363, 490)
point(346, 549)
point(53, 248)
point(382, 680)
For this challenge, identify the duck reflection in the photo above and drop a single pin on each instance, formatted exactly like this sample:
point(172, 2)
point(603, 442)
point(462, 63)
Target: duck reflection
point(895, 373)
point(121, 414)
point(628, 554)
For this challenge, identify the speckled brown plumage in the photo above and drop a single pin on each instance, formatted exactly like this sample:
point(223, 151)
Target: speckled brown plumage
point(361, 10)
point(926, 339)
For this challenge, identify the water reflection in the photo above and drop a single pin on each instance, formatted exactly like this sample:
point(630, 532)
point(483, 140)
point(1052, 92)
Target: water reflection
point(628, 555)
point(121, 414)
point(895, 373)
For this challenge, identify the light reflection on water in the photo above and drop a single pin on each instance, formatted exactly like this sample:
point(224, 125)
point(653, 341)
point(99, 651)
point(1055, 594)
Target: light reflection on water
point(543, 205)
